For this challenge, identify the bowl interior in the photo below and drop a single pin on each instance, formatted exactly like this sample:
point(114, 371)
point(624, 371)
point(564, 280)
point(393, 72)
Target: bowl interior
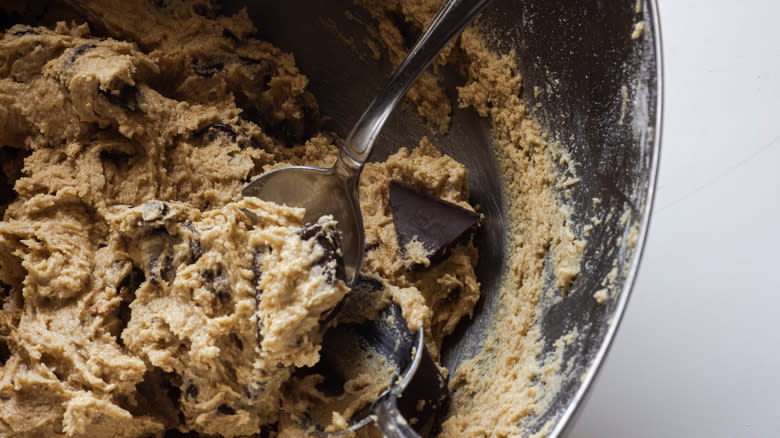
point(597, 78)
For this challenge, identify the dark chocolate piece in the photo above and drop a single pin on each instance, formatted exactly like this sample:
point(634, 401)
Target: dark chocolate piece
point(255, 390)
point(257, 273)
point(331, 246)
point(225, 410)
point(371, 246)
point(218, 283)
point(76, 52)
point(127, 289)
point(427, 385)
point(125, 97)
point(436, 223)
point(196, 248)
point(191, 391)
point(25, 30)
point(5, 352)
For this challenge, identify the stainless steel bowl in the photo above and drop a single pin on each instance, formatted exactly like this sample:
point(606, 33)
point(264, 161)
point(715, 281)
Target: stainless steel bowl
point(604, 105)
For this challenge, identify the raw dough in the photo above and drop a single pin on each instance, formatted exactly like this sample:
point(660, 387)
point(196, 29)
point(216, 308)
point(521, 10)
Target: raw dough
point(138, 295)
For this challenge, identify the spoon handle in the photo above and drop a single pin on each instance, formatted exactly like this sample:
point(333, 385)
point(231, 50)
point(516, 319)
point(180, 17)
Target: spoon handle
point(448, 22)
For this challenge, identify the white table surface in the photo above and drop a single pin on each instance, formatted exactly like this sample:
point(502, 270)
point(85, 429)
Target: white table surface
point(698, 351)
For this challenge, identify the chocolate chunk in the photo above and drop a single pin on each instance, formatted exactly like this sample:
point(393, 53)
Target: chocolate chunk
point(153, 212)
point(25, 30)
point(218, 283)
point(5, 352)
point(436, 223)
point(225, 410)
point(76, 52)
point(331, 246)
point(191, 391)
point(255, 390)
point(196, 248)
point(158, 247)
point(427, 386)
point(371, 246)
point(167, 269)
point(124, 98)
point(127, 288)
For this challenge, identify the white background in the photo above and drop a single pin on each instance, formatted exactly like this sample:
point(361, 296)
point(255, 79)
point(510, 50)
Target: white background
point(698, 351)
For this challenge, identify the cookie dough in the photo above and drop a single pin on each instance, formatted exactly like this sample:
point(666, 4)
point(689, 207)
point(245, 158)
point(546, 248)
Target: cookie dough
point(141, 296)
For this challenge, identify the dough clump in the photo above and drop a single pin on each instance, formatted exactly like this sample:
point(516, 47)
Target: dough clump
point(140, 294)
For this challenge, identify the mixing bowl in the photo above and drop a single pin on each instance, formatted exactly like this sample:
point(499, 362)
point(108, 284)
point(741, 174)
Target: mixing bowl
point(599, 65)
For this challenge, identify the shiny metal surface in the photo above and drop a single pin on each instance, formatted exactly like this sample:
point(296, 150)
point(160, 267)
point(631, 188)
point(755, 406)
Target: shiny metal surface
point(602, 101)
point(334, 191)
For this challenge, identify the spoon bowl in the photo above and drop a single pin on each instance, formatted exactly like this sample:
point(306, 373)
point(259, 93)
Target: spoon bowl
point(322, 192)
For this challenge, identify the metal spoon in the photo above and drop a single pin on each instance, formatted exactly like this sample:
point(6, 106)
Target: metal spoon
point(334, 191)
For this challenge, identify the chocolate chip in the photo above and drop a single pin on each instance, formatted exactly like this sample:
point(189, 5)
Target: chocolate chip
point(124, 98)
point(427, 385)
point(196, 248)
point(167, 269)
point(225, 410)
point(371, 246)
point(255, 390)
point(153, 211)
point(331, 246)
point(218, 283)
point(25, 30)
point(127, 288)
point(237, 341)
point(76, 52)
point(207, 70)
point(191, 391)
point(5, 352)
point(434, 222)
